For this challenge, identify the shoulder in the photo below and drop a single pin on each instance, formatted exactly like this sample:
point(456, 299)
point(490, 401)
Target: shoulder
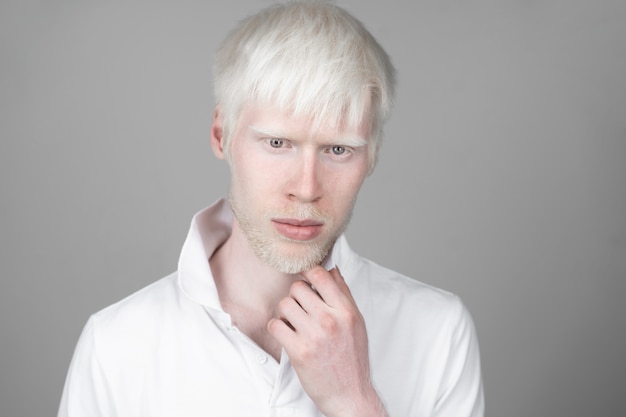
point(121, 329)
point(146, 302)
point(387, 288)
point(416, 326)
point(116, 347)
point(393, 303)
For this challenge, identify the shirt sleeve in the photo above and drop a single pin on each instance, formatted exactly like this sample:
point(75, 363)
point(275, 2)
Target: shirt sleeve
point(461, 393)
point(87, 391)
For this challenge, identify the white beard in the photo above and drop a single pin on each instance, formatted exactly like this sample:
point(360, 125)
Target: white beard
point(283, 254)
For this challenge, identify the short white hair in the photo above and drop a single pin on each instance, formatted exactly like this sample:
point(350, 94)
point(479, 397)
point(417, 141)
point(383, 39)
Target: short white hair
point(311, 58)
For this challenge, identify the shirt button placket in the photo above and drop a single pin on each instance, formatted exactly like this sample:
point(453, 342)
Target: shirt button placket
point(261, 359)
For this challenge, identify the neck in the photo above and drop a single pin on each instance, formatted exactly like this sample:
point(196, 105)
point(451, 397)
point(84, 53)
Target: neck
point(242, 279)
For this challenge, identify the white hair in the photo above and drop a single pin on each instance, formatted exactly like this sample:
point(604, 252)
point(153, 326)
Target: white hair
point(310, 58)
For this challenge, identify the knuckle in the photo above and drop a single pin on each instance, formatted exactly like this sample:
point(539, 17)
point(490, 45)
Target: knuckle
point(325, 278)
point(323, 281)
point(319, 274)
point(328, 323)
point(351, 317)
point(299, 286)
point(307, 352)
point(284, 304)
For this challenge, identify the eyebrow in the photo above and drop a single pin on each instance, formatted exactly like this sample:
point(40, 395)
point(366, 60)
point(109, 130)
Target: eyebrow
point(351, 141)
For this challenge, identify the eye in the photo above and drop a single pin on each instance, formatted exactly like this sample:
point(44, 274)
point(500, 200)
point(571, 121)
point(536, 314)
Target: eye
point(276, 143)
point(339, 152)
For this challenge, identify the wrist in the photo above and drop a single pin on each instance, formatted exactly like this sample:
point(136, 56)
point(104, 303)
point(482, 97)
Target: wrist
point(368, 405)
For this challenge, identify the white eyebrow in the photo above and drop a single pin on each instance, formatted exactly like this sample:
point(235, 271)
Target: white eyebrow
point(351, 141)
point(267, 132)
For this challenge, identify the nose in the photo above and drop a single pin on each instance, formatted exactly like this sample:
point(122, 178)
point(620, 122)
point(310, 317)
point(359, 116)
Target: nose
point(305, 185)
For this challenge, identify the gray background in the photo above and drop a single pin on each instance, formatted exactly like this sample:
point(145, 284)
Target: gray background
point(502, 178)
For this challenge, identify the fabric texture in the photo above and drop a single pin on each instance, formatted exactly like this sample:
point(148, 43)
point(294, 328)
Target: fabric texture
point(171, 350)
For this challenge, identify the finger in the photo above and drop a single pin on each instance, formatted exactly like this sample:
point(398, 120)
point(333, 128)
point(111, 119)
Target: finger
point(326, 285)
point(341, 282)
point(282, 332)
point(307, 297)
point(291, 311)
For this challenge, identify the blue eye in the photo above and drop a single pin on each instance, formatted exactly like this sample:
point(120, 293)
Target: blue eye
point(276, 143)
point(338, 150)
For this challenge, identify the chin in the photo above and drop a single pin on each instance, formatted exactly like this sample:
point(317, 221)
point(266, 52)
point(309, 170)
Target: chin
point(294, 260)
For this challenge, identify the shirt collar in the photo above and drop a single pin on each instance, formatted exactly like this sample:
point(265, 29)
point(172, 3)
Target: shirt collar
point(209, 229)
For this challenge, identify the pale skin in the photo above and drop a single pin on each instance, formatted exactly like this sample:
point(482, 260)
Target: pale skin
point(277, 161)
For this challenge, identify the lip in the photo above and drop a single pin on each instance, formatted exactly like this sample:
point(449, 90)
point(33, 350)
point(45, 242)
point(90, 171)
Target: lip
point(298, 229)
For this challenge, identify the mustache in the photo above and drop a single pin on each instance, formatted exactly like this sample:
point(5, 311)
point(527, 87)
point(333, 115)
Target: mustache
point(300, 212)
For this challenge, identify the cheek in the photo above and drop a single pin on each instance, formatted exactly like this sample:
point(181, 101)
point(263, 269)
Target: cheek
point(344, 187)
point(254, 176)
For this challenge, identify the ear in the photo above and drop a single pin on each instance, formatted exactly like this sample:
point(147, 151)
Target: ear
point(217, 134)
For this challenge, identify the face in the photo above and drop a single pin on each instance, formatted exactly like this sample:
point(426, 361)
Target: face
point(293, 187)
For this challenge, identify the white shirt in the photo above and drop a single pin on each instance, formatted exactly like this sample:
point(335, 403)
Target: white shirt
point(171, 350)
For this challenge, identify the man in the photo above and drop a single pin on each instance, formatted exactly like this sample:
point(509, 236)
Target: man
point(270, 313)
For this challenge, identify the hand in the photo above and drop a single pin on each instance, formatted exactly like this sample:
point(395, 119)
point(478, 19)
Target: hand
point(324, 334)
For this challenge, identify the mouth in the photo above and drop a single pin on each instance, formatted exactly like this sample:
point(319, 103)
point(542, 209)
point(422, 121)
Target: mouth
point(298, 229)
